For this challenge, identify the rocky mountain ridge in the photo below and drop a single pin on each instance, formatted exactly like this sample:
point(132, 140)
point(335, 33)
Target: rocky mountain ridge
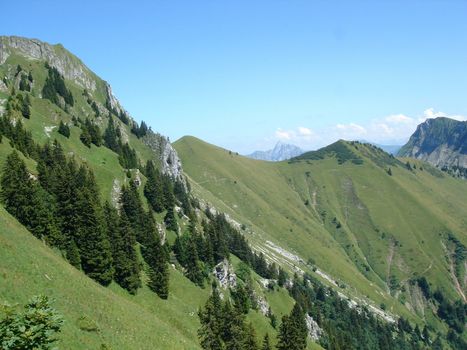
point(441, 142)
point(73, 69)
point(281, 151)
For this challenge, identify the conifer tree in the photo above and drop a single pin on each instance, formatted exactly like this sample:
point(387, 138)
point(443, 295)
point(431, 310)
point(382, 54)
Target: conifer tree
point(133, 208)
point(72, 253)
point(250, 338)
point(170, 220)
point(153, 188)
point(168, 191)
point(156, 257)
point(64, 129)
point(266, 343)
point(126, 265)
point(17, 192)
point(27, 201)
point(111, 138)
point(93, 244)
point(193, 268)
point(25, 109)
point(85, 138)
point(293, 330)
point(158, 268)
point(241, 299)
point(211, 323)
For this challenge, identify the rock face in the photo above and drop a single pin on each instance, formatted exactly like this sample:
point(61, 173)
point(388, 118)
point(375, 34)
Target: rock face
point(169, 160)
point(314, 331)
point(441, 142)
point(74, 70)
point(225, 274)
point(69, 66)
point(280, 152)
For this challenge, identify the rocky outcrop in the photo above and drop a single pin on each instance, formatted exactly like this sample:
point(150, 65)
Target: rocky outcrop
point(67, 64)
point(441, 142)
point(225, 274)
point(314, 331)
point(169, 160)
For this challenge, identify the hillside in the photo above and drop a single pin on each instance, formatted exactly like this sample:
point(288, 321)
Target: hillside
point(333, 249)
point(341, 209)
point(441, 142)
point(79, 116)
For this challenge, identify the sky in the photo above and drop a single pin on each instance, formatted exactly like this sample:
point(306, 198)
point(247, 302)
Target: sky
point(246, 74)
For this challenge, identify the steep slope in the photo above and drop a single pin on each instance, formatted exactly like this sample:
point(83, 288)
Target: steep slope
point(341, 209)
point(281, 151)
point(441, 142)
point(28, 267)
point(96, 317)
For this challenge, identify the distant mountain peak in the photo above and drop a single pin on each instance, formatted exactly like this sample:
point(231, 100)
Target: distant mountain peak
point(281, 151)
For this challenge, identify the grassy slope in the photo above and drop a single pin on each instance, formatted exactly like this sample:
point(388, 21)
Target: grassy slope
point(28, 268)
point(125, 322)
point(409, 207)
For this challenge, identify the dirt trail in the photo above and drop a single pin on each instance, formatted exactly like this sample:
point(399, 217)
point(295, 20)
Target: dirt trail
point(390, 257)
point(453, 273)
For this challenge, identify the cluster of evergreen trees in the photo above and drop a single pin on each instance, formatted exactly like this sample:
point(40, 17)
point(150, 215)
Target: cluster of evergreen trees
point(12, 127)
point(198, 251)
point(223, 326)
point(26, 80)
point(63, 207)
point(353, 328)
point(139, 130)
point(113, 140)
point(90, 133)
point(55, 87)
point(160, 194)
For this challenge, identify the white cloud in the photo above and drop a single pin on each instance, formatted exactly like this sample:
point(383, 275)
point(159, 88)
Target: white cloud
point(283, 134)
point(302, 131)
point(392, 129)
point(431, 113)
point(398, 118)
point(351, 129)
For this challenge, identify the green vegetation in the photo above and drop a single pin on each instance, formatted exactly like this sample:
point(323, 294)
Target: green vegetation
point(129, 252)
point(34, 328)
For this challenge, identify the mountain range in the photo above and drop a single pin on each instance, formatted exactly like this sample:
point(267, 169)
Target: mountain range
point(145, 244)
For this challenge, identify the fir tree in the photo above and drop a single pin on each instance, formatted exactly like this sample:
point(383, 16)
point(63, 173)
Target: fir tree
point(266, 343)
point(126, 265)
point(193, 268)
point(27, 201)
point(85, 138)
point(241, 298)
point(250, 338)
point(282, 279)
point(17, 192)
point(293, 331)
point(110, 137)
point(72, 253)
point(25, 109)
point(133, 208)
point(93, 244)
point(153, 188)
point(156, 257)
point(64, 129)
point(211, 323)
point(170, 221)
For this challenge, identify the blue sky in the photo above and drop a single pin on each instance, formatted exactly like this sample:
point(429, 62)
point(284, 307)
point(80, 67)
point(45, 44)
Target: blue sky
point(245, 74)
